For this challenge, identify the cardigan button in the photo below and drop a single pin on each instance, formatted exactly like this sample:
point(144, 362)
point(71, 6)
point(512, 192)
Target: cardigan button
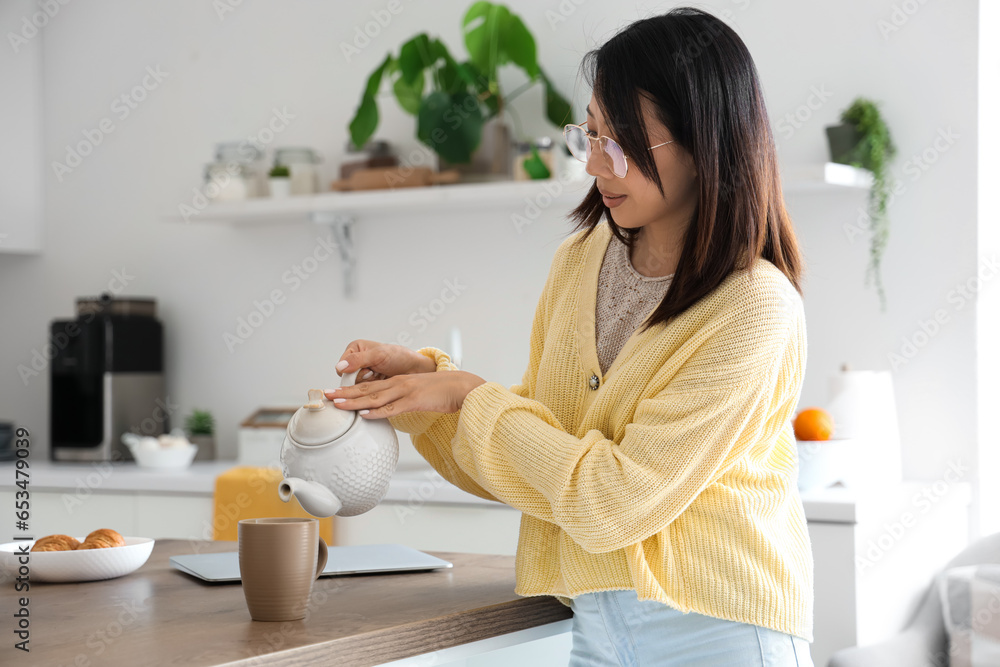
point(595, 382)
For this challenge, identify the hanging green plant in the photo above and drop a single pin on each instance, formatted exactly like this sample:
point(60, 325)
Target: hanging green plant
point(462, 96)
point(872, 149)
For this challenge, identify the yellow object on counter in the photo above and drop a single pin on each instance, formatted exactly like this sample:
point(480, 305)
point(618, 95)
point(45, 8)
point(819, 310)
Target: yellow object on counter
point(251, 492)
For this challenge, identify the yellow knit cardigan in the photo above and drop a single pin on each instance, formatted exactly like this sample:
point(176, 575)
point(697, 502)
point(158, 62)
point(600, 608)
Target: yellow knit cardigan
point(675, 476)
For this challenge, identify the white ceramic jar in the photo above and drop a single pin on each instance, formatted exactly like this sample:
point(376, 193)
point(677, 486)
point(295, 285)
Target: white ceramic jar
point(302, 165)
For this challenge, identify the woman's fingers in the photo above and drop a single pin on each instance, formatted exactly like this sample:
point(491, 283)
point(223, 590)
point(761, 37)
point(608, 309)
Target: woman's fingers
point(357, 356)
point(385, 359)
point(373, 399)
point(435, 392)
point(368, 375)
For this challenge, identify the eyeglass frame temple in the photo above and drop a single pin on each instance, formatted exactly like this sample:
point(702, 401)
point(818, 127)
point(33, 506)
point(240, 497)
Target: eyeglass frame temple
point(603, 136)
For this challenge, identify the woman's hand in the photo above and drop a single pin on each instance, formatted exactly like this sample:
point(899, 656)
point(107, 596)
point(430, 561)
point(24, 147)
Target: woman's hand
point(430, 392)
point(382, 360)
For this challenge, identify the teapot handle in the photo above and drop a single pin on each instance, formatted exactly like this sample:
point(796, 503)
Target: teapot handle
point(347, 379)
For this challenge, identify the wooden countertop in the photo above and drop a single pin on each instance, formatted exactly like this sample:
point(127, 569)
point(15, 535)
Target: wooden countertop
point(158, 615)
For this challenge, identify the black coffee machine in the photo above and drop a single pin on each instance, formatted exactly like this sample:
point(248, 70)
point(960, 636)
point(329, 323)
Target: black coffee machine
point(106, 379)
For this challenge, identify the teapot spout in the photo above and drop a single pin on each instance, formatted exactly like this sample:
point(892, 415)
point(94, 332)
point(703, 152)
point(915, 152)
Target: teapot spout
point(314, 498)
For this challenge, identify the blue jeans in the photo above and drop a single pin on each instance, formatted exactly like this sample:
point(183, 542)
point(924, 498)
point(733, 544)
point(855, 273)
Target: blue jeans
point(616, 629)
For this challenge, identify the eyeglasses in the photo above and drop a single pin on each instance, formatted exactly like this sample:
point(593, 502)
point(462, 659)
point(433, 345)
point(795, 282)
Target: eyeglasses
point(580, 145)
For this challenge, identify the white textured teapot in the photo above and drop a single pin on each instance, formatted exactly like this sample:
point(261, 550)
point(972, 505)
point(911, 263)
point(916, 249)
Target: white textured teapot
point(335, 461)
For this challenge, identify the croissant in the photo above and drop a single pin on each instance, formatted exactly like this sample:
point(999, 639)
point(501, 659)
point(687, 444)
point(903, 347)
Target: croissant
point(103, 538)
point(55, 543)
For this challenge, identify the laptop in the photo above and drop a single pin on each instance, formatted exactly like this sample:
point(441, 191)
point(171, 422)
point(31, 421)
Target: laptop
point(355, 559)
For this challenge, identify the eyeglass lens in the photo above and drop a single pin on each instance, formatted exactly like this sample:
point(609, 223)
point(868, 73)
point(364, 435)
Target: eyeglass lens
point(580, 146)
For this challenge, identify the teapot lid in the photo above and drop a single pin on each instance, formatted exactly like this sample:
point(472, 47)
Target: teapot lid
point(318, 421)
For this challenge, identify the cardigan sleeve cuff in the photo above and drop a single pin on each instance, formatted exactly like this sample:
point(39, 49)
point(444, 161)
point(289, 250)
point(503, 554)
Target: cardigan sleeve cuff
point(416, 423)
point(494, 429)
point(441, 358)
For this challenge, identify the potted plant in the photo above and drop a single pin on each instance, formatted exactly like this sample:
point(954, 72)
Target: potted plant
point(863, 140)
point(460, 117)
point(278, 179)
point(529, 163)
point(200, 428)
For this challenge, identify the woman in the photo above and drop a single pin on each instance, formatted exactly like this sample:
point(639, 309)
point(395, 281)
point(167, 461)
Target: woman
point(649, 445)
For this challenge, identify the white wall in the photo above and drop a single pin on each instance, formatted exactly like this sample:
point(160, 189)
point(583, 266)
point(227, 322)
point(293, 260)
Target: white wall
point(988, 312)
point(226, 75)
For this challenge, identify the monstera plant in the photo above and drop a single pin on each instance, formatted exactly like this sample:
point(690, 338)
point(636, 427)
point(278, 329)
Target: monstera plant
point(452, 100)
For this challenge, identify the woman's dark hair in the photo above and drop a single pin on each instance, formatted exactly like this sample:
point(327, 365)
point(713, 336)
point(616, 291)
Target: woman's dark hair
point(704, 86)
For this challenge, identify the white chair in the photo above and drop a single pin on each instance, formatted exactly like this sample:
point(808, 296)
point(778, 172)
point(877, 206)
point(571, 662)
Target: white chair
point(923, 643)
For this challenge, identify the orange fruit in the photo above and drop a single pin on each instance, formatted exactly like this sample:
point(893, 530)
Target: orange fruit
point(813, 424)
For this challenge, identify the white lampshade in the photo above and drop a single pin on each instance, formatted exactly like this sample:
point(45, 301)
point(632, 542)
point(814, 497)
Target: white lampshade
point(863, 406)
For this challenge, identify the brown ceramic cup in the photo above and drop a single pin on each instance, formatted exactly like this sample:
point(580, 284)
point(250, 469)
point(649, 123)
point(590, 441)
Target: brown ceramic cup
point(280, 558)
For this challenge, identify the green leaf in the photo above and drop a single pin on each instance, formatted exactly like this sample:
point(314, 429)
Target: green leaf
point(534, 165)
point(448, 78)
point(409, 95)
point(365, 120)
point(439, 50)
point(450, 124)
point(493, 104)
point(375, 79)
point(874, 151)
point(482, 27)
point(557, 109)
point(470, 74)
point(447, 75)
point(415, 56)
point(519, 45)
point(494, 36)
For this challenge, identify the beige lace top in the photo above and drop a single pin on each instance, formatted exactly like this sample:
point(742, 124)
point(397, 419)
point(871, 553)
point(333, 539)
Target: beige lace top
point(625, 298)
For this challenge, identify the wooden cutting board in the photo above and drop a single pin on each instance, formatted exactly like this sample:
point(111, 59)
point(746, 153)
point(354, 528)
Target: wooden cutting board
point(381, 178)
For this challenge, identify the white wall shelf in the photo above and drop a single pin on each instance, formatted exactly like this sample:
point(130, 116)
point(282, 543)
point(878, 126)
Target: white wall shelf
point(340, 210)
point(825, 177)
point(820, 177)
point(301, 208)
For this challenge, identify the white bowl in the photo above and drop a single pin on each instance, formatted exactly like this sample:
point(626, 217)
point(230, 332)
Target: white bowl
point(164, 458)
point(823, 463)
point(77, 565)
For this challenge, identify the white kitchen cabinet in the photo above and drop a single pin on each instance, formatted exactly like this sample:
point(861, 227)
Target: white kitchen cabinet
point(130, 513)
point(173, 515)
point(420, 510)
point(469, 529)
point(56, 511)
point(875, 554)
point(546, 645)
point(22, 171)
